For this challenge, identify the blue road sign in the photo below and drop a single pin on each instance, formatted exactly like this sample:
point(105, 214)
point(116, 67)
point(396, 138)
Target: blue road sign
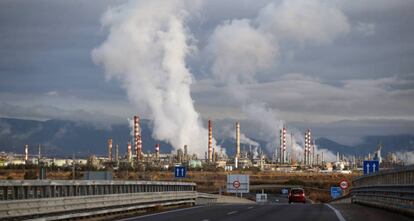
point(371, 166)
point(285, 191)
point(180, 172)
point(336, 192)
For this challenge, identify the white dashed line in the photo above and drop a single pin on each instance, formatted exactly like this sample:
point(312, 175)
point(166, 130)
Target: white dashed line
point(232, 212)
point(205, 220)
point(156, 214)
point(338, 214)
point(251, 207)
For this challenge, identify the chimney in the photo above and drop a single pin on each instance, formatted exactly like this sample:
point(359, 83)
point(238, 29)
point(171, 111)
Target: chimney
point(129, 152)
point(26, 152)
point(117, 153)
point(305, 154)
point(157, 150)
point(237, 139)
point(137, 137)
point(110, 149)
point(210, 141)
point(284, 144)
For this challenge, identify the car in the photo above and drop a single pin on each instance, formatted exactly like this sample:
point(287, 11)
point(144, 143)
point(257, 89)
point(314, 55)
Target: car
point(297, 195)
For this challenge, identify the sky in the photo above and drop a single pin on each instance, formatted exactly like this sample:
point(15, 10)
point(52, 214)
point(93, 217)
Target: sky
point(344, 68)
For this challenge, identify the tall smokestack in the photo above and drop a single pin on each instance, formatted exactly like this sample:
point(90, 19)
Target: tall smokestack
point(26, 152)
point(292, 154)
point(157, 149)
point(313, 152)
point(305, 154)
point(137, 137)
point(281, 146)
point(308, 146)
point(110, 149)
point(237, 139)
point(284, 143)
point(210, 141)
point(129, 152)
point(237, 157)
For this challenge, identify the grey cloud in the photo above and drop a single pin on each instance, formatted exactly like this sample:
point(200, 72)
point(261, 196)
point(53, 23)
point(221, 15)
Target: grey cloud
point(311, 99)
point(365, 73)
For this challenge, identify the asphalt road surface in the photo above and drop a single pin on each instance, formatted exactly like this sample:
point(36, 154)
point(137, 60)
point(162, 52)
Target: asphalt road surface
point(277, 209)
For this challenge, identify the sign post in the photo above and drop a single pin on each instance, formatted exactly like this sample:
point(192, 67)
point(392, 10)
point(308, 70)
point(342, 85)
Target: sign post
point(180, 172)
point(344, 184)
point(336, 192)
point(371, 166)
point(237, 183)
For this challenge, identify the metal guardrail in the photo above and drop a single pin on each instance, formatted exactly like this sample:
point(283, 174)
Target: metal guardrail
point(391, 189)
point(59, 199)
point(35, 189)
point(37, 207)
point(206, 198)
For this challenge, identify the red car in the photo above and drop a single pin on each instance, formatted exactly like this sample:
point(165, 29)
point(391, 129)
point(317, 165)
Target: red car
point(297, 195)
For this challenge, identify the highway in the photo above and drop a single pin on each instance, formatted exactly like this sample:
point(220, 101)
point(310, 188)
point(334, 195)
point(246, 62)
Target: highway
point(277, 209)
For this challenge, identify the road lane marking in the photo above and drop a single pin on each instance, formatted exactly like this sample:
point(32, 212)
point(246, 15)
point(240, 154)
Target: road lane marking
point(250, 207)
point(338, 214)
point(155, 214)
point(205, 220)
point(232, 212)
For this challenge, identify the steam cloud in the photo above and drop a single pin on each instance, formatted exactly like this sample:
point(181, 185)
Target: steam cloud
point(146, 48)
point(149, 41)
point(241, 49)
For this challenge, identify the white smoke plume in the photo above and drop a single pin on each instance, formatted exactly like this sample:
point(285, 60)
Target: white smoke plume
point(328, 156)
point(266, 122)
point(146, 48)
point(230, 132)
point(242, 49)
point(245, 140)
point(406, 156)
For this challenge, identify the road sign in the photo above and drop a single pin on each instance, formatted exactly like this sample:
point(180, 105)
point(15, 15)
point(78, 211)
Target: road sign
point(285, 191)
point(344, 184)
point(237, 183)
point(336, 192)
point(261, 197)
point(371, 166)
point(180, 172)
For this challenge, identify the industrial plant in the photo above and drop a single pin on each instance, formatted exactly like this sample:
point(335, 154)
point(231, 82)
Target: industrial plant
point(288, 156)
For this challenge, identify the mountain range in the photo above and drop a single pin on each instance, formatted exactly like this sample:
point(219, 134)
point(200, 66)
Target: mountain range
point(64, 138)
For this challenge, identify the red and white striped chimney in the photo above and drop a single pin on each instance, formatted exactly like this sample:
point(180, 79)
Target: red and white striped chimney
point(137, 137)
point(157, 149)
point(210, 141)
point(284, 143)
point(129, 153)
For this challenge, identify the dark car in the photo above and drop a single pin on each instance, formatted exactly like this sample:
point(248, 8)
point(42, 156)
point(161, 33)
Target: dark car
point(297, 195)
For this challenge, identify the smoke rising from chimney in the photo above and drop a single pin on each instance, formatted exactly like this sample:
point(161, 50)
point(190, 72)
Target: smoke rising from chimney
point(241, 49)
point(146, 48)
